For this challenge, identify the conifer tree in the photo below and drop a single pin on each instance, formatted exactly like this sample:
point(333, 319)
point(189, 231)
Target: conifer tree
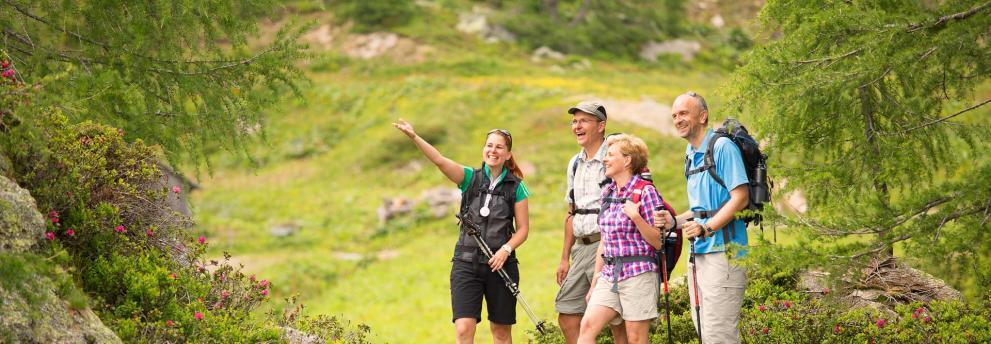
point(184, 75)
point(872, 108)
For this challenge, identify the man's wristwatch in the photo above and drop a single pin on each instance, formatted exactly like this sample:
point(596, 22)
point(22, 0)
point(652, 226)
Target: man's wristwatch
point(707, 231)
point(507, 248)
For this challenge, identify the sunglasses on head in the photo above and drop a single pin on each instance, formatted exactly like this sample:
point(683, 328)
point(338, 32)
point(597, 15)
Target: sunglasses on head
point(504, 132)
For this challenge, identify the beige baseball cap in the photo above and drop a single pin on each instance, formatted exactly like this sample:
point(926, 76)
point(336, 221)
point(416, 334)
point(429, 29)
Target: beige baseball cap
point(590, 107)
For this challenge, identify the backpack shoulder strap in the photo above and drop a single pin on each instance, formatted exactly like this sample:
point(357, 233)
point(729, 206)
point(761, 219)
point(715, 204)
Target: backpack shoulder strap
point(474, 188)
point(637, 191)
point(571, 176)
point(708, 160)
point(710, 157)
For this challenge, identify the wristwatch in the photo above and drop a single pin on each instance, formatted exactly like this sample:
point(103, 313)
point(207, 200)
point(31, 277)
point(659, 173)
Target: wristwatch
point(507, 248)
point(707, 231)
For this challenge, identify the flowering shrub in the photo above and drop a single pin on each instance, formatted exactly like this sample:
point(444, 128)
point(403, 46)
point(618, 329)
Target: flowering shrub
point(109, 225)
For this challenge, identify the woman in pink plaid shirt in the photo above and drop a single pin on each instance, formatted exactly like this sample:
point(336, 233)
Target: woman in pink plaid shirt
point(625, 261)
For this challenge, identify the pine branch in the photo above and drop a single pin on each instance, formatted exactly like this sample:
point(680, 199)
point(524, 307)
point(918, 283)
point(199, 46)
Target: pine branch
point(232, 64)
point(828, 58)
point(942, 119)
point(942, 21)
point(925, 208)
point(43, 21)
point(881, 247)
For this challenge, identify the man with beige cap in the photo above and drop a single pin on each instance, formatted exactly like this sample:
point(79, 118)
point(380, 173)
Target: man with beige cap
point(581, 229)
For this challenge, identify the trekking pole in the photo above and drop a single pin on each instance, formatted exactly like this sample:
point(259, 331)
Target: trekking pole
point(473, 231)
point(664, 276)
point(695, 279)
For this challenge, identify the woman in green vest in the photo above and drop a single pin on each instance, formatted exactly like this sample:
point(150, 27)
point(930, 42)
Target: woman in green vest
point(494, 197)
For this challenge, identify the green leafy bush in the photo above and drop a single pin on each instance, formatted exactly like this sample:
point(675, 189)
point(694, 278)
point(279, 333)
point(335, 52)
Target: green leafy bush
point(371, 15)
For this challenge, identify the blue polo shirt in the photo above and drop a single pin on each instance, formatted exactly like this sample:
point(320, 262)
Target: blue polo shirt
point(704, 193)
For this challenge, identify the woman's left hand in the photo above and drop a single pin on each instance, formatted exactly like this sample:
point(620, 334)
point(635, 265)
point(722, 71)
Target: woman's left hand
point(632, 210)
point(498, 259)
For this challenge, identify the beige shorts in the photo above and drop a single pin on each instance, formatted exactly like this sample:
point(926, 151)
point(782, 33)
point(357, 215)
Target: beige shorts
point(636, 300)
point(721, 286)
point(571, 297)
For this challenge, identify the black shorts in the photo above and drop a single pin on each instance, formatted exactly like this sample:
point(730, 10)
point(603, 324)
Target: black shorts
point(469, 282)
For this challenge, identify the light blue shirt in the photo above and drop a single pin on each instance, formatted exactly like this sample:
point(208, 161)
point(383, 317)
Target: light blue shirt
point(704, 193)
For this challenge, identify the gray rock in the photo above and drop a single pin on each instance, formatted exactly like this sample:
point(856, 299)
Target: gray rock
point(21, 225)
point(687, 49)
point(393, 207)
point(285, 229)
point(545, 53)
point(294, 336)
point(43, 317)
point(477, 23)
point(440, 199)
point(6, 167)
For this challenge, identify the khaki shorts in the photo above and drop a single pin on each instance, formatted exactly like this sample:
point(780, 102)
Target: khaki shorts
point(636, 300)
point(571, 298)
point(721, 286)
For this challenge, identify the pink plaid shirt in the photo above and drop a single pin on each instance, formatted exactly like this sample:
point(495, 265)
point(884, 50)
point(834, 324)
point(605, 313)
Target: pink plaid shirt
point(620, 236)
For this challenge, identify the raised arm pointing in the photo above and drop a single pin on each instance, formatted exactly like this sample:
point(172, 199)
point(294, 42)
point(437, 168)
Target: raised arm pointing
point(452, 170)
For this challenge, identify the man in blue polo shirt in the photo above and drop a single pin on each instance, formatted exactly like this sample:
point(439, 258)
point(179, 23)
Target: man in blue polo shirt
point(711, 220)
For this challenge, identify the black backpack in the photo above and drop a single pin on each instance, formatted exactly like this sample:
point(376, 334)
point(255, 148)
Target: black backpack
point(754, 162)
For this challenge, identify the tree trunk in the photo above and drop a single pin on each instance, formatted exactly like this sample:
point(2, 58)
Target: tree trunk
point(551, 7)
point(870, 131)
point(582, 12)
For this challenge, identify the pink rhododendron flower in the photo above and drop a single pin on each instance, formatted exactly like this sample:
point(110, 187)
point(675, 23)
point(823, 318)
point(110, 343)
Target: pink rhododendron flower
point(176, 189)
point(765, 330)
point(8, 73)
point(264, 292)
point(120, 229)
point(761, 308)
point(169, 323)
point(70, 232)
point(225, 294)
point(837, 329)
point(54, 220)
point(150, 233)
point(198, 316)
point(201, 239)
point(880, 323)
point(786, 304)
point(263, 283)
point(50, 235)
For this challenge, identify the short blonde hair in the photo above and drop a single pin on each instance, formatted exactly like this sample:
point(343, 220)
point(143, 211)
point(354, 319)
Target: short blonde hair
point(633, 147)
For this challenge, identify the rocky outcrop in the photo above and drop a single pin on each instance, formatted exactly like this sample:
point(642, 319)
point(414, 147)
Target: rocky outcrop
point(685, 48)
point(31, 311)
point(21, 225)
point(48, 319)
point(477, 23)
point(883, 284)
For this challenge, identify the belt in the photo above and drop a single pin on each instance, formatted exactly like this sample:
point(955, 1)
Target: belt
point(589, 239)
point(617, 263)
point(586, 211)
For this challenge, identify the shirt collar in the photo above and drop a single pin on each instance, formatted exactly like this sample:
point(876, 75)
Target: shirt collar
point(599, 155)
point(704, 146)
point(629, 185)
point(487, 174)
